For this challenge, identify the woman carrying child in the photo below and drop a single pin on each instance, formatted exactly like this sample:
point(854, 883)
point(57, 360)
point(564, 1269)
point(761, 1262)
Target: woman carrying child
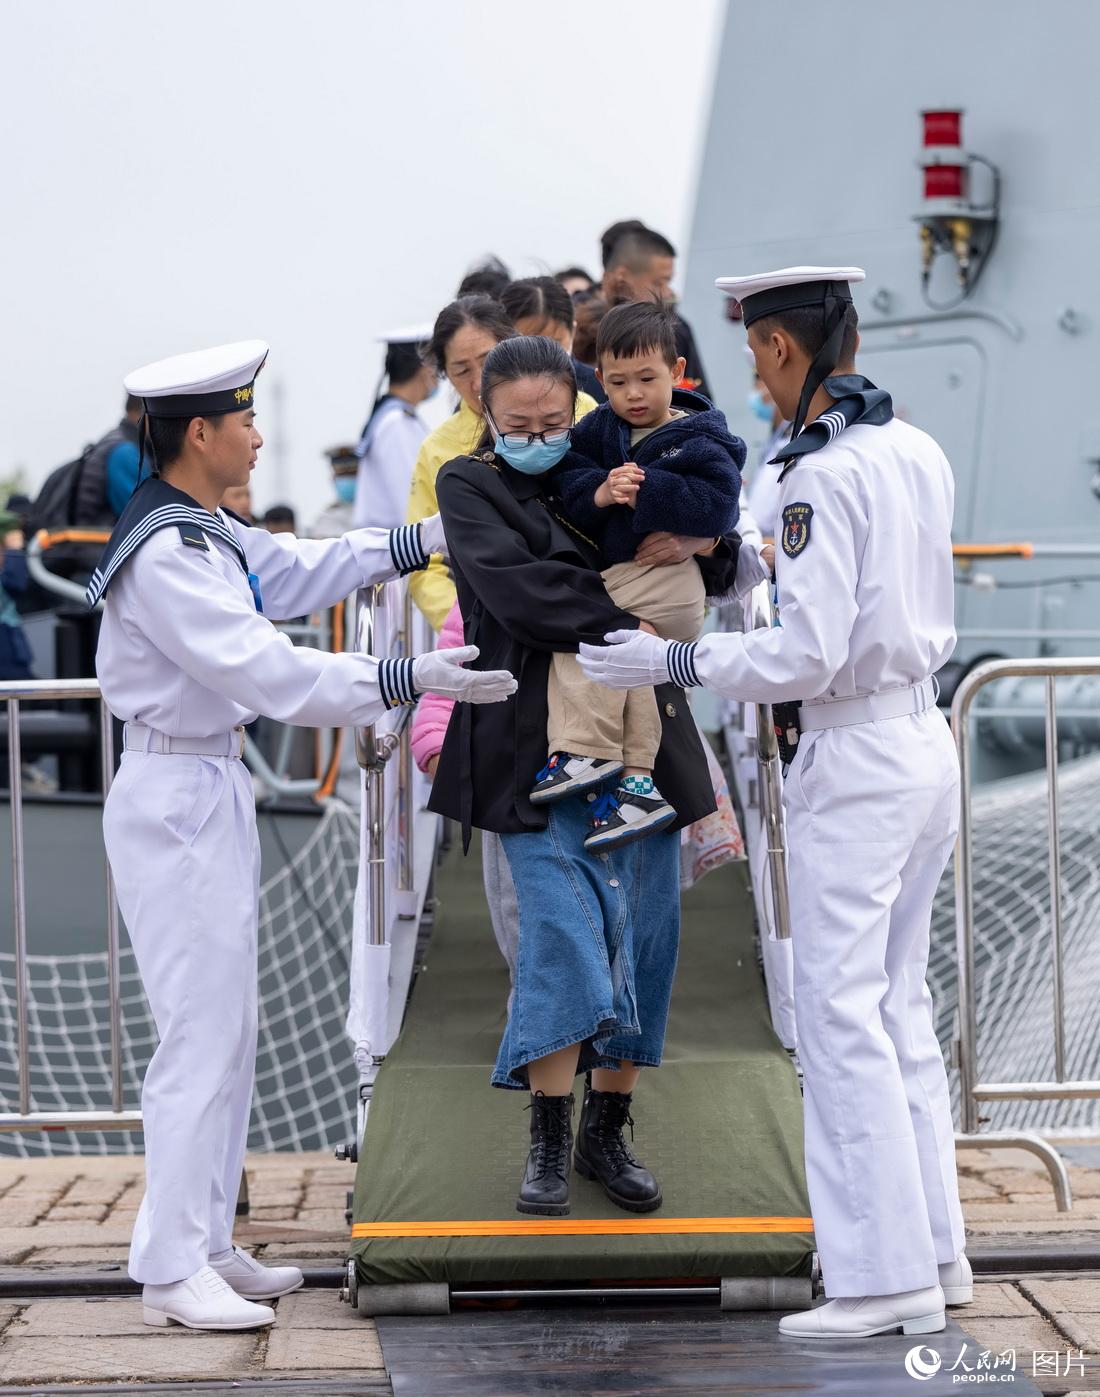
point(598, 935)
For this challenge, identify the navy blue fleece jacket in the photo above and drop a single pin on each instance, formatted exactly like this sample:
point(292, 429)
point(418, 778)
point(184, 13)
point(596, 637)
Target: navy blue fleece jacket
point(692, 477)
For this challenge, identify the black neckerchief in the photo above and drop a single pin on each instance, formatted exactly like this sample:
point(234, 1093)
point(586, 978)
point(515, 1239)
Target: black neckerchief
point(857, 400)
point(156, 505)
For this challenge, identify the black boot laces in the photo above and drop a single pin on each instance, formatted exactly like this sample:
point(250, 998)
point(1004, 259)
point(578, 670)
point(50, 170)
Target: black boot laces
point(609, 1129)
point(553, 1143)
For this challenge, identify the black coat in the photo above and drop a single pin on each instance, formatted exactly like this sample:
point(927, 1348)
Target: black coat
point(529, 585)
point(692, 477)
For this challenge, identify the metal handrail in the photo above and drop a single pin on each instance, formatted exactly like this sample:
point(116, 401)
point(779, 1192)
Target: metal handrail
point(770, 774)
point(26, 1118)
point(971, 1090)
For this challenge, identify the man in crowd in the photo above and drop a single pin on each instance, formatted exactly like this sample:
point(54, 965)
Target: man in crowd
point(639, 265)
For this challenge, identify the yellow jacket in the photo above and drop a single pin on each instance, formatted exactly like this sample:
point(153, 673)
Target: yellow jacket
point(432, 590)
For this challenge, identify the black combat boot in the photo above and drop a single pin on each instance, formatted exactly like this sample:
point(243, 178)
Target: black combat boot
point(545, 1187)
point(603, 1154)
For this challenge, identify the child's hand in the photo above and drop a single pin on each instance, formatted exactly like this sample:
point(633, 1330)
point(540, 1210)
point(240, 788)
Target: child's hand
point(621, 486)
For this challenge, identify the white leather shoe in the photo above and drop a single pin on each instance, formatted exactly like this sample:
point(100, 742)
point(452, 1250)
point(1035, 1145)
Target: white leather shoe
point(202, 1301)
point(913, 1312)
point(254, 1281)
point(957, 1282)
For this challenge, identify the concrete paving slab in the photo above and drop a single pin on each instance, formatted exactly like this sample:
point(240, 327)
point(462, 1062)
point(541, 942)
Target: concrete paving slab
point(992, 1300)
point(128, 1358)
point(333, 1253)
point(86, 1319)
point(1029, 1335)
point(319, 1309)
point(322, 1350)
point(76, 1258)
point(1079, 1296)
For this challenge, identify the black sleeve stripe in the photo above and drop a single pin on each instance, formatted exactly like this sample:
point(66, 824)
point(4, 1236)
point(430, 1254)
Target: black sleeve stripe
point(395, 682)
point(681, 665)
point(406, 549)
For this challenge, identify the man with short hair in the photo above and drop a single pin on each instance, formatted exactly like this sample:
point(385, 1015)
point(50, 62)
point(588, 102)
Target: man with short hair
point(187, 656)
point(639, 265)
point(864, 575)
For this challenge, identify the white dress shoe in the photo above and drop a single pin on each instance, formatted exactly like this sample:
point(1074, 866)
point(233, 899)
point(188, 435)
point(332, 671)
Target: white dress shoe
point(913, 1312)
point(202, 1301)
point(254, 1281)
point(957, 1282)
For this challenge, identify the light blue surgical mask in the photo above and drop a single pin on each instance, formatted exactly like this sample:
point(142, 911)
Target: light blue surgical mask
point(759, 405)
point(531, 457)
point(345, 488)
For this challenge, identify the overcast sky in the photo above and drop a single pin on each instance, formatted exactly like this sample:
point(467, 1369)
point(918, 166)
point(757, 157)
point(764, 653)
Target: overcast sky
point(187, 172)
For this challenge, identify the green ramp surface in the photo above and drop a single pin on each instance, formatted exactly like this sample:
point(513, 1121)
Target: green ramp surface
point(720, 1124)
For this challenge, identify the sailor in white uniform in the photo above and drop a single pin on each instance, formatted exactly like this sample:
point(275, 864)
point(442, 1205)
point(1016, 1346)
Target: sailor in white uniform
point(865, 583)
point(187, 657)
point(391, 437)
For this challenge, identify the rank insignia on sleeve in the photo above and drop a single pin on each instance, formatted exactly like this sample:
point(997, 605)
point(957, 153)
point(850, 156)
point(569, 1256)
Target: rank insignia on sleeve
point(796, 527)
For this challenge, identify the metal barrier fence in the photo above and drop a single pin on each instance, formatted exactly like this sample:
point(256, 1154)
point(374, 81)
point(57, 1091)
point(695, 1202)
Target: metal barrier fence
point(375, 622)
point(972, 1090)
point(26, 1118)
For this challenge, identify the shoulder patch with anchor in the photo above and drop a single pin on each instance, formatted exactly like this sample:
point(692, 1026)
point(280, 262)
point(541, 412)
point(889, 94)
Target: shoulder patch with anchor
point(193, 536)
point(796, 527)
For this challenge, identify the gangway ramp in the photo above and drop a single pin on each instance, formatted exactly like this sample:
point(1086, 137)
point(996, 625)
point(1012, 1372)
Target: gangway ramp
point(720, 1124)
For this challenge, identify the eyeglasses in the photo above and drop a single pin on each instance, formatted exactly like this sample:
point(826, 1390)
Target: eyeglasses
point(553, 436)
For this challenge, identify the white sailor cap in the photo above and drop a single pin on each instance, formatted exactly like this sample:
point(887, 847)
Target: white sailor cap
point(205, 383)
point(789, 288)
point(408, 334)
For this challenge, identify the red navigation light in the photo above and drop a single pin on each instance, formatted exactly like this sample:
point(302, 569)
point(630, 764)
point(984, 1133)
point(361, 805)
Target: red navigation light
point(943, 128)
point(944, 181)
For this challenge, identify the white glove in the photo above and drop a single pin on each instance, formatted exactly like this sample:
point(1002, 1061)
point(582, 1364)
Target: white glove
point(441, 672)
point(432, 539)
point(629, 660)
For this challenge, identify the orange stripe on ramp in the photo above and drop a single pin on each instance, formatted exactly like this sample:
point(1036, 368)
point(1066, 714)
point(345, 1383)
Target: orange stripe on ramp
point(580, 1227)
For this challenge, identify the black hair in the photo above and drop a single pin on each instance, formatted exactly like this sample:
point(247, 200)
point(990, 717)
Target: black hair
point(569, 273)
point(609, 238)
point(806, 326)
point(403, 362)
point(635, 328)
point(591, 309)
point(525, 356)
point(279, 514)
point(166, 436)
point(541, 296)
point(637, 245)
point(481, 311)
point(134, 404)
point(487, 278)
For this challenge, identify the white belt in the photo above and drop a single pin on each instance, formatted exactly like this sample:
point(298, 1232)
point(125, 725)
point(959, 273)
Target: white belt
point(136, 737)
point(869, 708)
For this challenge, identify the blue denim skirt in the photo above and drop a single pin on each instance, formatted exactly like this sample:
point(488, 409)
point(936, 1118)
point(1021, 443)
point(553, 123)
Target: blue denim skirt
point(598, 937)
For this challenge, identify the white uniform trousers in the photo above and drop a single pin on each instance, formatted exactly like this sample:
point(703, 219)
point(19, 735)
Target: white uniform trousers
point(181, 837)
point(872, 814)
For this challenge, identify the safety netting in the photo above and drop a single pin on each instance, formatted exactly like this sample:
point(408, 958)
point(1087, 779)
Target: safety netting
point(305, 1077)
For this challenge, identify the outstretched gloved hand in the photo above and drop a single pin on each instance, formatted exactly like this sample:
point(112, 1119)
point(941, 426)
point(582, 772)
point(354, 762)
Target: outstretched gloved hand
point(628, 660)
point(432, 538)
point(441, 672)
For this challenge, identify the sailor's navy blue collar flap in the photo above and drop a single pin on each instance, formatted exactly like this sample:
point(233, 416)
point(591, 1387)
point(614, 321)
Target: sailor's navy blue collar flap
point(857, 400)
point(156, 505)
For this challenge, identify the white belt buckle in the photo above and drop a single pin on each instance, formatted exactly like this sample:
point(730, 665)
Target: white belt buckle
point(239, 733)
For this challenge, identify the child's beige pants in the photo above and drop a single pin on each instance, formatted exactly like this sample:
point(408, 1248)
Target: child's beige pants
point(589, 720)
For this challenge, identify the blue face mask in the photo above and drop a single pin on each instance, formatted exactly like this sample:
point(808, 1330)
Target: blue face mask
point(345, 488)
point(759, 406)
point(536, 458)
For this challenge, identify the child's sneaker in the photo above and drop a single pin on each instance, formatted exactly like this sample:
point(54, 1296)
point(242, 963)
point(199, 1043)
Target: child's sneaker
point(628, 815)
point(565, 775)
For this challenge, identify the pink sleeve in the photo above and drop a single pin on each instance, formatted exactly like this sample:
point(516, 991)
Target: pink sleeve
point(433, 712)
